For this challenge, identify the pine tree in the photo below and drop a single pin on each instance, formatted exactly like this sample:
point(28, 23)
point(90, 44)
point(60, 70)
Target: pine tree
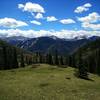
point(66, 60)
point(92, 63)
point(73, 61)
point(70, 61)
point(49, 59)
point(26, 59)
point(40, 58)
point(82, 70)
point(22, 60)
point(56, 59)
point(30, 60)
point(5, 62)
point(15, 62)
point(98, 62)
point(61, 60)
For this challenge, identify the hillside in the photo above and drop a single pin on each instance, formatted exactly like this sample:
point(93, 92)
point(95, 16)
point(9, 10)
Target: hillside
point(89, 49)
point(45, 82)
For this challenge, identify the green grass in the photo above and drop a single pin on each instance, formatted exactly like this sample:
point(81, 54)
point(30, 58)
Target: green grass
point(45, 82)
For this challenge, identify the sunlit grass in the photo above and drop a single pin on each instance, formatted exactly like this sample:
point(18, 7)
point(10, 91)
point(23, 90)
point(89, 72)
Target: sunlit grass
point(45, 82)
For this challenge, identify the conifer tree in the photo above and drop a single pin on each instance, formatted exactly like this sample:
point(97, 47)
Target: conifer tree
point(5, 62)
point(82, 70)
point(70, 61)
point(15, 62)
point(61, 60)
point(56, 59)
point(49, 59)
point(98, 62)
point(22, 60)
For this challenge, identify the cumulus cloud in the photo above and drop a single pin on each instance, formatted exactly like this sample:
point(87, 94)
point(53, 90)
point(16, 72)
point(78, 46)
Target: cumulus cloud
point(31, 7)
point(90, 21)
point(91, 26)
point(11, 23)
point(39, 16)
point(67, 34)
point(91, 18)
point(83, 8)
point(20, 6)
point(51, 18)
point(35, 22)
point(67, 21)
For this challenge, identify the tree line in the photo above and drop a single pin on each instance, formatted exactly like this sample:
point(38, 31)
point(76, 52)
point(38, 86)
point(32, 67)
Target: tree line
point(10, 58)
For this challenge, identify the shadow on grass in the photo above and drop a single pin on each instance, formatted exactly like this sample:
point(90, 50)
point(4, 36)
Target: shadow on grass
point(84, 78)
point(68, 78)
point(35, 65)
point(43, 84)
point(55, 69)
point(52, 68)
point(62, 66)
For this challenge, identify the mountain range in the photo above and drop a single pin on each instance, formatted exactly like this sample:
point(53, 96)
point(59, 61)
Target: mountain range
point(49, 44)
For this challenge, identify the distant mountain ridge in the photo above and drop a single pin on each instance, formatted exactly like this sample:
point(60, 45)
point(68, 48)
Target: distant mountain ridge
point(49, 44)
point(14, 39)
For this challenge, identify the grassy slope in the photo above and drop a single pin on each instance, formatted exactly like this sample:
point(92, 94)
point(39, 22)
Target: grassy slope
point(47, 83)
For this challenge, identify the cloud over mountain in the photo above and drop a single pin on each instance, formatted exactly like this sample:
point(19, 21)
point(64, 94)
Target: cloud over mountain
point(67, 34)
point(90, 21)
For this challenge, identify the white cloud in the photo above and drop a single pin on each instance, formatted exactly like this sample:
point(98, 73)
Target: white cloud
point(31, 7)
point(51, 18)
point(83, 8)
point(67, 21)
point(39, 16)
point(11, 23)
point(35, 22)
point(67, 34)
point(87, 5)
point(91, 21)
point(20, 6)
point(91, 26)
point(91, 18)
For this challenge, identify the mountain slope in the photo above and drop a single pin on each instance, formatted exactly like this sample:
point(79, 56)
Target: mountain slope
point(48, 44)
point(90, 47)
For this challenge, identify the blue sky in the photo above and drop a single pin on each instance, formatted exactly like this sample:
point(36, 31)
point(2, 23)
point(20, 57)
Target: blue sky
point(62, 18)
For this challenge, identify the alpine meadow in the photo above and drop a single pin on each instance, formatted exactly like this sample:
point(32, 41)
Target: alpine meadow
point(49, 50)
